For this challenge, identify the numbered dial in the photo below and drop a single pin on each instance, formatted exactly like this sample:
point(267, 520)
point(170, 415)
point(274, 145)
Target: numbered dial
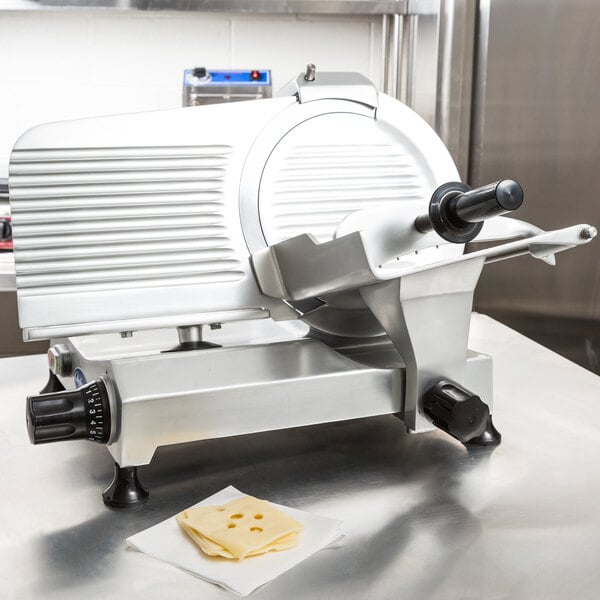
point(83, 413)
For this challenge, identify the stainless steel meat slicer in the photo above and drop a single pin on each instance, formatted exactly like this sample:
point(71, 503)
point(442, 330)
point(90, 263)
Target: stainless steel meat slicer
point(228, 269)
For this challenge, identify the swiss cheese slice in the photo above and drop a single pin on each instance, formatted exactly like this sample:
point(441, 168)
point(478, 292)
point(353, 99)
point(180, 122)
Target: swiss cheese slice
point(244, 527)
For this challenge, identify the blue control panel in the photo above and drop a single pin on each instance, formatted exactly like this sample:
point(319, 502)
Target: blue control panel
point(200, 77)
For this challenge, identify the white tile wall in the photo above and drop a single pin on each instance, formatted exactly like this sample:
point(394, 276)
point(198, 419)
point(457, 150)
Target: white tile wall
point(67, 64)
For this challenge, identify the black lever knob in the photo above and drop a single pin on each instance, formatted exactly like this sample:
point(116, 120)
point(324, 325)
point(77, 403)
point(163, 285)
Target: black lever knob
point(457, 212)
point(83, 413)
point(456, 410)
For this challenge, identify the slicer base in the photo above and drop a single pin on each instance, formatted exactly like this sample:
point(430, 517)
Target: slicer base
point(125, 491)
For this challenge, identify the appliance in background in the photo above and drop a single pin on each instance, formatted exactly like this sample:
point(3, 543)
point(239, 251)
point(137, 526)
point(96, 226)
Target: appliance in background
point(213, 86)
point(515, 90)
point(536, 98)
point(6, 242)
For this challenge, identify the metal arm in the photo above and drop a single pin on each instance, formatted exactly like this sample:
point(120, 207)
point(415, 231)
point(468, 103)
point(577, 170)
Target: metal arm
point(301, 268)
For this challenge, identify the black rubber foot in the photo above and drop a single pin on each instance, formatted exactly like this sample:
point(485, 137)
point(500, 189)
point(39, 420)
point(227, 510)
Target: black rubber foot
point(199, 345)
point(125, 491)
point(490, 436)
point(52, 385)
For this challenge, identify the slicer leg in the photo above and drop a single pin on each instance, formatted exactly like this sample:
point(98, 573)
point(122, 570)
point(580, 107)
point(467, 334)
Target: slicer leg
point(490, 436)
point(52, 385)
point(125, 491)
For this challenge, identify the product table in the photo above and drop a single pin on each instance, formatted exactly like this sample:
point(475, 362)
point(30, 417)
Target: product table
point(424, 517)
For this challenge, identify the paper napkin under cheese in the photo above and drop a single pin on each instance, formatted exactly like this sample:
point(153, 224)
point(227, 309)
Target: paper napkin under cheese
point(167, 542)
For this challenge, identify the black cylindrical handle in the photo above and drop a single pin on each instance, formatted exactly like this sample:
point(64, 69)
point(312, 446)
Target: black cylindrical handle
point(83, 413)
point(456, 212)
point(487, 201)
point(5, 230)
point(456, 410)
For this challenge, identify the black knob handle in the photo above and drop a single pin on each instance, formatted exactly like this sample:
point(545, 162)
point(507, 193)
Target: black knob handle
point(457, 212)
point(5, 230)
point(487, 201)
point(200, 72)
point(83, 413)
point(456, 410)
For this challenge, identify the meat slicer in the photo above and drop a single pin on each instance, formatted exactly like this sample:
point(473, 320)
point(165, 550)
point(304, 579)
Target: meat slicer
point(229, 269)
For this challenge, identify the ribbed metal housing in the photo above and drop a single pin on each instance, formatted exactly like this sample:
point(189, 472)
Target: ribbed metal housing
point(113, 218)
point(317, 186)
point(333, 165)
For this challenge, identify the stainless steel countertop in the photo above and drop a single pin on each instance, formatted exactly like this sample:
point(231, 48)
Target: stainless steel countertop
point(424, 517)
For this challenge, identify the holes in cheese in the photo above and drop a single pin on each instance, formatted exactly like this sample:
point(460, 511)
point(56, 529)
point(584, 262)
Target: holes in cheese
point(212, 529)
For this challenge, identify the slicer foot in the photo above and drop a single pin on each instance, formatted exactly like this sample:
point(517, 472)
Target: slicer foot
point(490, 436)
point(52, 385)
point(125, 491)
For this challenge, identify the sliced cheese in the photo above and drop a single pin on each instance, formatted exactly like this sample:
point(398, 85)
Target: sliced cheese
point(244, 527)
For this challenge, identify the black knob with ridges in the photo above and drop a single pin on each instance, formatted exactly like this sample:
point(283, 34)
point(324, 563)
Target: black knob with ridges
point(83, 413)
point(456, 410)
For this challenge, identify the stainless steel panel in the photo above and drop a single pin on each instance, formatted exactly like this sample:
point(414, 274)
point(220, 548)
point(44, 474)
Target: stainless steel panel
point(371, 7)
point(536, 120)
point(125, 216)
point(425, 518)
point(231, 391)
point(115, 228)
point(243, 388)
point(456, 33)
point(427, 63)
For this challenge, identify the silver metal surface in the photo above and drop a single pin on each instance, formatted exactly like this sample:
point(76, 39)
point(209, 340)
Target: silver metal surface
point(189, 334)
point(536, 119)
point(391, 63)
point(327, 85)
point(248, 386)
point(406, 83)
point(286, 269)
point(225, 392)
point(338, 159)
point(309, 74)
point(130, 222)
point(427, 62)
point(251, 179)
point(218, 95)
point(456, 39)
point(427, 317)
point(419, 300)
point(60, 360)
point(424, 517)
point(112, 229)
point(336, 7)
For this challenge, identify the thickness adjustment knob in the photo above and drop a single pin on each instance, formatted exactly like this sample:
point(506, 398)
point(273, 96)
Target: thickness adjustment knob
point(456, 410)
point(83, 413)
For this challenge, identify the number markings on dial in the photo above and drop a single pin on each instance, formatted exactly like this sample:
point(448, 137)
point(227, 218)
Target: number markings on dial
point(95, 414)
